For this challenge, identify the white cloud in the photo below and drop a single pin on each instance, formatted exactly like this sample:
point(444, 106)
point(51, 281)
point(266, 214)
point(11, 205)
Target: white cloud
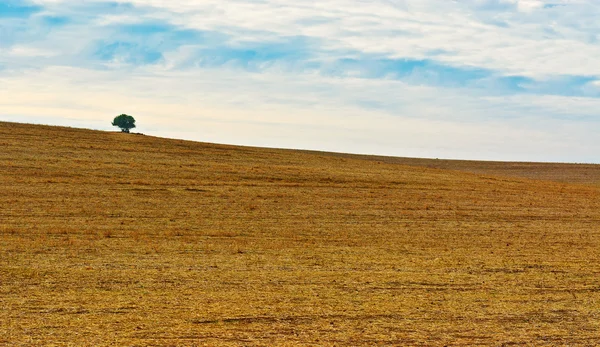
point(529, 5)
point(370, 27)
point(312, 112)
point(27, 51)
point(509, 36)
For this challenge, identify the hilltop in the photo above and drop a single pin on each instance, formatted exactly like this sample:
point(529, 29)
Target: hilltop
point(122, 239)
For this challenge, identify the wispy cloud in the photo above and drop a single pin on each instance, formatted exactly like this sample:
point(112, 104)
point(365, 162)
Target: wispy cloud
point(491, 79)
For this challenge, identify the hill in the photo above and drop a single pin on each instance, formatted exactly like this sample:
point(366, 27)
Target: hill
point(558, 172)
point(123, 239)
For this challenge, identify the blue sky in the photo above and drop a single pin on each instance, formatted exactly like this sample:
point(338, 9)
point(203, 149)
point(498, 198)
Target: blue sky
point(467, 79)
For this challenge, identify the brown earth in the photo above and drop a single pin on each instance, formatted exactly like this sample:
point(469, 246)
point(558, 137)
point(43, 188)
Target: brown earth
point(110, 239)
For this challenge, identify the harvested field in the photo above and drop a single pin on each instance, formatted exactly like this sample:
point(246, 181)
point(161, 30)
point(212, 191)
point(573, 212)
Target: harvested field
point(558, 172)
point(110, 239)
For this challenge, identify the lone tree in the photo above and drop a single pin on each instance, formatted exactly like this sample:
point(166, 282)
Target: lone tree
point(125, 122)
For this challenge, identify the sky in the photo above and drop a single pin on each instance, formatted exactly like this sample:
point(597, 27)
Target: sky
point(513, 80)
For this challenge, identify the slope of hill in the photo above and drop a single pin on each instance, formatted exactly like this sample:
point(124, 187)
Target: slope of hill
point(120, 239)
point(559, 172)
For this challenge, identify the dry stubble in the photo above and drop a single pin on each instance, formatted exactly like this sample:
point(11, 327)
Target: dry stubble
point(129, 240)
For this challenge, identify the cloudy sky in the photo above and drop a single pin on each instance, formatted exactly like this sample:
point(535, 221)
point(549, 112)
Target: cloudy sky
point(469, 79)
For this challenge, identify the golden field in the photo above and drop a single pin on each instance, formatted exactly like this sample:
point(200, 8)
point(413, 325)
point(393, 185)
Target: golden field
point(111, 239)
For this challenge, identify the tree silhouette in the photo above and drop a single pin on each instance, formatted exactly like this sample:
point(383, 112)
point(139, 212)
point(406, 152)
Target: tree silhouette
point(125, 122)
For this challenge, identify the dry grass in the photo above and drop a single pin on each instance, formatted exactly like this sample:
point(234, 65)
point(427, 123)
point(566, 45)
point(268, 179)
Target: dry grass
point(109, 239)
point(588, 174)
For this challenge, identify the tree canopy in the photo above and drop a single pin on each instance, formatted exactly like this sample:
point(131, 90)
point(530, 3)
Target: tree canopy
point(125, 122)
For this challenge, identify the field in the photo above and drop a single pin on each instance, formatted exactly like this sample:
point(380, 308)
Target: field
point(558, 172)
point(111, 239)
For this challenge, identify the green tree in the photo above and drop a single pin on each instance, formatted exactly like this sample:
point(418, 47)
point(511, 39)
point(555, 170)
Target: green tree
point(125, 122)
